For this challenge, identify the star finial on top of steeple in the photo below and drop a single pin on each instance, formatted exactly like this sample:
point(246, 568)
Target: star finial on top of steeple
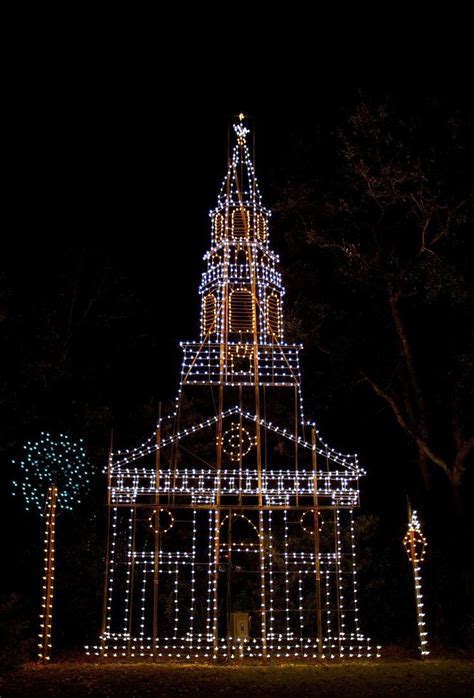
point(241, 130)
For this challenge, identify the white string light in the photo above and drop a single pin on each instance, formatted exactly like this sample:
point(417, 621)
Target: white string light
point(52, 459)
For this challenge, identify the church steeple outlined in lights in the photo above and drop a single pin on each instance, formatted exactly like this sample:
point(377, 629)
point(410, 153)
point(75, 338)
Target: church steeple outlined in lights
point(231, 533)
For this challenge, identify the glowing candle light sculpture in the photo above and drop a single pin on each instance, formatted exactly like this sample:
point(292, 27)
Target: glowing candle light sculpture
point(415, 545)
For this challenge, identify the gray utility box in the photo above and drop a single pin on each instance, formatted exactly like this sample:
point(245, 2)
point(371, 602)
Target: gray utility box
point(240, 623)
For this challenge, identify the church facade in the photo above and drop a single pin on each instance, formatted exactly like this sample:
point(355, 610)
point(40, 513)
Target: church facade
point(231, 529)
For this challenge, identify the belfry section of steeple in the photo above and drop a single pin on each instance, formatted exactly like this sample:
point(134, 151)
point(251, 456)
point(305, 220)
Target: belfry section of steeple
point(239, 214)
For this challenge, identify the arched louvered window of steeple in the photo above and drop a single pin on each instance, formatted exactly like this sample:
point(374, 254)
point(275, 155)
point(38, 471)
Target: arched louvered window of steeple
point(261, 228)
point(240, 223)
point(208, 314)
point(274, 316)
point(240, 256)
point(218, 227)
point(242, 311)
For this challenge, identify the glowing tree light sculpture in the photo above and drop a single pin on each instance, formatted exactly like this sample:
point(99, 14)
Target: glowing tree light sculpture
point(55, 471)
point(415, 545)
point(232, 535)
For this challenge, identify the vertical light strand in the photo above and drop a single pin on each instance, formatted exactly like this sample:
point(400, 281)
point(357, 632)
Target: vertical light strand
point(110, 581)
point(176, 599)
point(48, 576)
point(210, 580)
point(317, 552)
point(228, 548)
point(263, 600)
point(131, 575)
point(128, 580)
point(300, 609)
point(339, 594)
point(252, 257)
point(354, 574)
point(329, 615)
point(270, 581)
point(143, 609)
point(287, 579)
point(296, 447)
point(193, 585)
point(106, 603)
point(215, 589)
point(415, 546)
point(156, 533)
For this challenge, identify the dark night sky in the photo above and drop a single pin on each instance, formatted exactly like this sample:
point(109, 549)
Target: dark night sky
point(136, 176)
point(129, 173)
point(138, 181)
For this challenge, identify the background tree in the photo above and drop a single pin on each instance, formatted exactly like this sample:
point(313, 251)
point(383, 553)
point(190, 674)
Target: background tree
point(379, 274)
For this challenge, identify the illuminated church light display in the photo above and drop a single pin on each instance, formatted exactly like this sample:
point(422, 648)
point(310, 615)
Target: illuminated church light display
point(231, 529)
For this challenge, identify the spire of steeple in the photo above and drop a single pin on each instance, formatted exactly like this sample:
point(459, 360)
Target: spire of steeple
point(240, 186)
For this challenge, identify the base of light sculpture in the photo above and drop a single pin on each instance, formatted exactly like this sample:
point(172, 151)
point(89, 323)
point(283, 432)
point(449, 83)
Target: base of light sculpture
point(201, 647)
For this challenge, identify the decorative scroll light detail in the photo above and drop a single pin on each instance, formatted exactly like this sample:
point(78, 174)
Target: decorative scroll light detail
point(237, 442)
point(241, 132)
point(274, 315)
point(415, 545)
point(348, 460)
point(209, 314)
point(218, 227)
point(305, 527)
point(154, 521)
point(262, 231)
point(244, 518)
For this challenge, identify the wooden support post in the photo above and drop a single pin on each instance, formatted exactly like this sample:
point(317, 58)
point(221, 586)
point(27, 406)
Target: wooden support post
point(229, 579)
point(107, 600)
point(217, 531)
point(338, 577)
point(156, 531)
point(296, 448)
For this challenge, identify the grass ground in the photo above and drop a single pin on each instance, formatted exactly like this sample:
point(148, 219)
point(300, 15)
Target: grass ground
point(432, 678)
